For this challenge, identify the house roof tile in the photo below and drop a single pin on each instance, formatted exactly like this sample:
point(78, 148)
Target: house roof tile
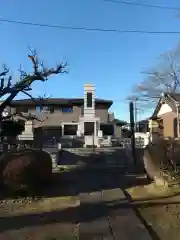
point(59, 101)
point(175, 96)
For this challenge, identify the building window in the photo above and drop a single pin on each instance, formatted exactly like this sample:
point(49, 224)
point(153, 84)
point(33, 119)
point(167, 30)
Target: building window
point(44, 109)
point(89, 99)
point(67, 109)
point(88, 128)
point(107, 129)
point(82, 110)
point(38, 110)
point(70, 129)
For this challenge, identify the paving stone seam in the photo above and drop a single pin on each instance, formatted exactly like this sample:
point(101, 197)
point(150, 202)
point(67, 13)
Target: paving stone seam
point(109, 220)
point(76, 230)
point(149, 229)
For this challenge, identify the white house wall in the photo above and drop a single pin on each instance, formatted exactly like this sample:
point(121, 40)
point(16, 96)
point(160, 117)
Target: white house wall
point(165, 108)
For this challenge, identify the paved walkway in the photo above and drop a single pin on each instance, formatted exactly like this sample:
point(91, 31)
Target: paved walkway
point(105, 212)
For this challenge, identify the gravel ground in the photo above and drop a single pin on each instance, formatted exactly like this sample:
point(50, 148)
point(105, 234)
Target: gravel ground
point(161, 213)
point(49, 218)
point(164, 219)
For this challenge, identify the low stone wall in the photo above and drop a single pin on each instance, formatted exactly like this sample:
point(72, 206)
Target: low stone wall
point(85, 156)
point(160, 161)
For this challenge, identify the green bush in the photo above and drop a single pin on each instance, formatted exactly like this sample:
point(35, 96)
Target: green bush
point(26, 169)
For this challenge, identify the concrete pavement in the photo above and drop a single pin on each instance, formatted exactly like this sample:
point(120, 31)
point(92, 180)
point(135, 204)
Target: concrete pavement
point(105, 212)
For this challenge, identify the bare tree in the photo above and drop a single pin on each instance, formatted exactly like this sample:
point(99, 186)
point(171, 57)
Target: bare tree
point(39, 73)
point(163, 78)
point(9, 90)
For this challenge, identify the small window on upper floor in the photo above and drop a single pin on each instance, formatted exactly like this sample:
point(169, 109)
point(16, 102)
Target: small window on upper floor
point(38, 109)
point(67, 109)
point(89, 99)
point(45, 109)
point(82, 110)
point(49, 109)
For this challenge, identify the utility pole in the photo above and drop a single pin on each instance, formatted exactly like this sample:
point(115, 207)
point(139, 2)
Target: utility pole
point(133, 147)
point(178, 128)
point(135, 114)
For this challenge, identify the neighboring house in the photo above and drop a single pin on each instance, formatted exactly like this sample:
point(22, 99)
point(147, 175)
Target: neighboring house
point(142, 126)
point(86, 117)
point(118, 130)
point(58, 112)
point(166, 113)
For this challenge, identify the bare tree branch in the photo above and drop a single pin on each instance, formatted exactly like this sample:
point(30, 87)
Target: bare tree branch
point(5, 71)
point(40, 73)
point(164, 78)
point(30, 117)
point(27, 117)
point(29, 95)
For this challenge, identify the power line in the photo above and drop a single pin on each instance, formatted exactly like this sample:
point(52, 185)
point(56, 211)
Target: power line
point(87, 29)
point(143, 5)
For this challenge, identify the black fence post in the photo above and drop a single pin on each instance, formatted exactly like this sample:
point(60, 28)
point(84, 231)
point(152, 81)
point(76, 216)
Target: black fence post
point(132, 125)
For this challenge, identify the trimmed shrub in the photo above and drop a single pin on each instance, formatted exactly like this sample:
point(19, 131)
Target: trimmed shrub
point(12, 128)
point(26, 169)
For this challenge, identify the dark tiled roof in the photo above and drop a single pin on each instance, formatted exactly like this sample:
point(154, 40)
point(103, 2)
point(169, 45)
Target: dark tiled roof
point(59, 101)
point(174, 96)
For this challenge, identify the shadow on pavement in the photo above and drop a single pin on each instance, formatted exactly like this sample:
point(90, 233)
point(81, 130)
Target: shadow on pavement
point(87, 177)
point(82, 213)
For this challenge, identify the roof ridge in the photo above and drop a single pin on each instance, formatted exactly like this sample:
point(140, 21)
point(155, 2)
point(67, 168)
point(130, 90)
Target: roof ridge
point(174, 97)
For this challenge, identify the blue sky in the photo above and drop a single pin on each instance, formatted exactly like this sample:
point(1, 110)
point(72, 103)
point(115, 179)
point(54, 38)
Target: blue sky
point(112, 61)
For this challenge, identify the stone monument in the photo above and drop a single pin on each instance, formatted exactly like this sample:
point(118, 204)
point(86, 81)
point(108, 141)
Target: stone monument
point(27, 134)
point(89, 124)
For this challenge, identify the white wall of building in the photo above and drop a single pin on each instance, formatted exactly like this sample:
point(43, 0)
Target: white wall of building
point(165, 108)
